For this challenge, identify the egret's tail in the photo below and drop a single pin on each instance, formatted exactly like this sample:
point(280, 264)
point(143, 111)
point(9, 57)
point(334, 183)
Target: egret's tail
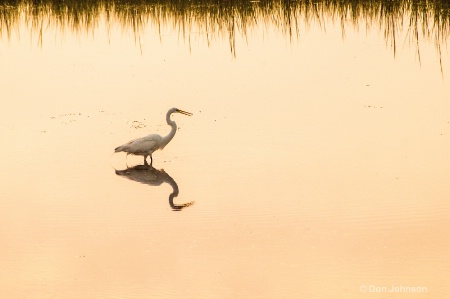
point(120, 148)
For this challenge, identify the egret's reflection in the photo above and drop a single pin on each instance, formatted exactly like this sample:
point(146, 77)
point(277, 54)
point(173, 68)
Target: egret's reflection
point(147, 174)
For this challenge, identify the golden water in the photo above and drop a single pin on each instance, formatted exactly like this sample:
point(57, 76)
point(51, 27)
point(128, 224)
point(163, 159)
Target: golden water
point(315, 166)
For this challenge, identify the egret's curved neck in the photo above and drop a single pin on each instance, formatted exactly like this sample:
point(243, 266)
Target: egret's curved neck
point(166, 139)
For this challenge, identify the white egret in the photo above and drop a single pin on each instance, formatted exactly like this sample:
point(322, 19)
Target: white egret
point(145, 146)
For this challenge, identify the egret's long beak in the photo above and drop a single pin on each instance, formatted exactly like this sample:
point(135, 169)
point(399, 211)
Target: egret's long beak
point(184, 112)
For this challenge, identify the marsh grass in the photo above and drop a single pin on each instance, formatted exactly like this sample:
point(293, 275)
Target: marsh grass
point(213, 19)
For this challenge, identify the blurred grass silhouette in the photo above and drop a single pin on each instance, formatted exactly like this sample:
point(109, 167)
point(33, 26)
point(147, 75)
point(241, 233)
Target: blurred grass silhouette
point(225, 18)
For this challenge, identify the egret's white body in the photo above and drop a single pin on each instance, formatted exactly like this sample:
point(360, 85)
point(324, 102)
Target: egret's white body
point(145, 146)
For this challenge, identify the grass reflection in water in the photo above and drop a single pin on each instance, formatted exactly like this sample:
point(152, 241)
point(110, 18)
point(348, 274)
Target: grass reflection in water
point(212, 19)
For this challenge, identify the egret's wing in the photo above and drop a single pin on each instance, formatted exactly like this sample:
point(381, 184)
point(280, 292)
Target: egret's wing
point(124, 147)
point(143, 145)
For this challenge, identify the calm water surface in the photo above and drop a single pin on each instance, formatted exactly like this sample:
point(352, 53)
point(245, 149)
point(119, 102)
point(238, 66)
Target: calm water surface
point(316, 164)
